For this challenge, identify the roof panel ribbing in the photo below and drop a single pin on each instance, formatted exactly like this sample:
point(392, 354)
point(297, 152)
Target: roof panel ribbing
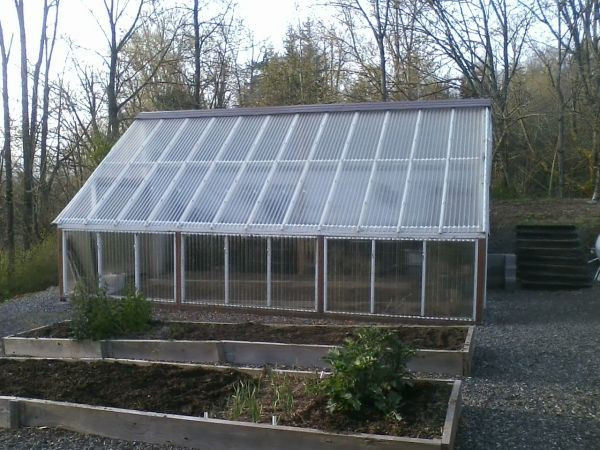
point(394, 170)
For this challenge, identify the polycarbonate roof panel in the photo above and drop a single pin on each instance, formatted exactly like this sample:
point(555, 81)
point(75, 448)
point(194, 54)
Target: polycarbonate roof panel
point(398, 169)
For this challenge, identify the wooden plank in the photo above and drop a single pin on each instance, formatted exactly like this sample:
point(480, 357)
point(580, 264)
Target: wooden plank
point(52, 348)
point(267, 353)
point(9, 412)
point(189, 351)
point(170, 429)
point(481, 274)
point(452, 416)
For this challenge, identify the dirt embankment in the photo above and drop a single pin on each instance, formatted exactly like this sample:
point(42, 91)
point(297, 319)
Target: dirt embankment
point(506, 214)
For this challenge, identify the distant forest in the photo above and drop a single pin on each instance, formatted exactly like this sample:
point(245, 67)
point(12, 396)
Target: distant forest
point(537, 60)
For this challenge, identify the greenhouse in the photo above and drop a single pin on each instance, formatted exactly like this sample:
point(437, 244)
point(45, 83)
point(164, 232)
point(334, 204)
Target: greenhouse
point(371, 209)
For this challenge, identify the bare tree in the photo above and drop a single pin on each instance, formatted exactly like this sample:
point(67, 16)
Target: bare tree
point(7, 155)
point(376, 15)
point(29, 118)
point(485, 39)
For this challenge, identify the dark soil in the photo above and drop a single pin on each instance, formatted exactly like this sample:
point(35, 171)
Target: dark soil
point(159, 388)
point(192, 391)
point(439, 338)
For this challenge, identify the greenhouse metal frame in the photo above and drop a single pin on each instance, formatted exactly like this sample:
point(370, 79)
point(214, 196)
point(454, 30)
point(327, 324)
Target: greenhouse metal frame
point(369, 209)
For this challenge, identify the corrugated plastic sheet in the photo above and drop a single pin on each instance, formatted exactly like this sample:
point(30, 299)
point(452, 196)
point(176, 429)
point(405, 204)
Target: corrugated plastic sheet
point(397, 173)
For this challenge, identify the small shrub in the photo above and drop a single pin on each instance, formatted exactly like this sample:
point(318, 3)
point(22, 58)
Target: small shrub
point(368, 373)
point(135, 313)
point(95, 316)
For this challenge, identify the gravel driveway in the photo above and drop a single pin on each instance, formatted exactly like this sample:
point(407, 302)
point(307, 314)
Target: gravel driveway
point(535, 383)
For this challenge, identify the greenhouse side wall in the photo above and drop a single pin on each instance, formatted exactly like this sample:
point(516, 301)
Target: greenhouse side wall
point(397, 278)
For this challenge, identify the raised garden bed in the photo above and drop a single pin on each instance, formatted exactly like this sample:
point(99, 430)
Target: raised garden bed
point(446, 350)
point(164, 404)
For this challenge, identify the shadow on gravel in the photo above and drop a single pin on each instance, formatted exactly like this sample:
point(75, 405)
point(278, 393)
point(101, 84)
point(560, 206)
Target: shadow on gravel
point(483, 428)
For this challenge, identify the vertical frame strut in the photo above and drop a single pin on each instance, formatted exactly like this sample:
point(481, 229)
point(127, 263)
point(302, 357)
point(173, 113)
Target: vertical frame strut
point(423, 277)
point(372, 300)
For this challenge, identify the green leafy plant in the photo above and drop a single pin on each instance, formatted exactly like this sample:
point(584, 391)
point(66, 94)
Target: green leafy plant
point(134, 312)
point(369, 373)
point(245, 399)
point(96, 316)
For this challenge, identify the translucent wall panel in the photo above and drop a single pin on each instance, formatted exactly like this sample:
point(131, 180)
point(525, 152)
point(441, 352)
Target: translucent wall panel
point(293, 273)
point(278, 193)
point(463, 190)
point(131, 141)
point(385, 198)
point(93, 191)
point(211, 196)
point(313, 194)
point(424, 197)
point(214, 139)
point(244, 194)
point(347, 199)
point(204, 269)
point(110, 208)
point(148, 195)
point(157, 266)
point(81, 260)
point(432, 141)
point(187, 140)
point(366, 136)
point(450, 279)
point(159, 141)
point(468, 134)
point(242, 139)
point(270, 142)
point(348, 275)
point(174, 202)
point(334, 136)
point(247, 271)
point(399, 134)
point(118, 263)
point(398, 269)
point(303, 137)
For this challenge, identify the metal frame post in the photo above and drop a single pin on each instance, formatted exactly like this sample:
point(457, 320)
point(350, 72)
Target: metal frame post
point(182, 265)
point(178, 275)
point(226, 268)
point(137, 258)
point(372, 300)
point(99, 259)
point(320, 275)
point(423, 277)
point(269, 275)
point(324, 274)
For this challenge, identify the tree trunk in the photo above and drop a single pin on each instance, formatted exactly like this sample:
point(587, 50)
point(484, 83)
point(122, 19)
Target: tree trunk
point(25, 133)
point(6, 152)
point(197, 51)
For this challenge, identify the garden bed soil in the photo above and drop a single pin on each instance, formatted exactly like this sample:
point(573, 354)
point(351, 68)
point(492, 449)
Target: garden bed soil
point(434, 338)
point(194, 390)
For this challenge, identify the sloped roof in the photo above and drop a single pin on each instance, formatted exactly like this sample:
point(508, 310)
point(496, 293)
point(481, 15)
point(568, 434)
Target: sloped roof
point(397, 169)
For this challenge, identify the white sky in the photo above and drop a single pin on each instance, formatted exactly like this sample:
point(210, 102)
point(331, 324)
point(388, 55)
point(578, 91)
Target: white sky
point(267, 19)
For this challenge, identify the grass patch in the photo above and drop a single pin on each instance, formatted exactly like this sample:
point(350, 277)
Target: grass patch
point(35, 270)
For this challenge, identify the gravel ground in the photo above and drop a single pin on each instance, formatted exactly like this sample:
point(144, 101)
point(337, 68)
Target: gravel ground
point(535, 383)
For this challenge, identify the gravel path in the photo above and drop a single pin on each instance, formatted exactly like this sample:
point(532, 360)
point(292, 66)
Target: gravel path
point(536, 373)
point(535, 383)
